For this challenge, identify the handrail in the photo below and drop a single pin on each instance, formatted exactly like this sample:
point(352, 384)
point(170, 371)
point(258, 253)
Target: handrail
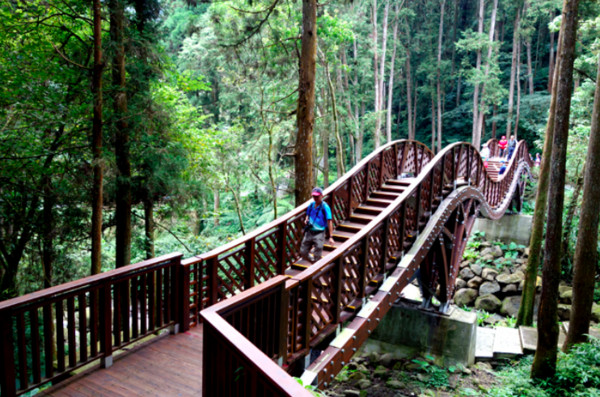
point(315, 295)
point(233, 364)
point(271, 249)
point(104, 312)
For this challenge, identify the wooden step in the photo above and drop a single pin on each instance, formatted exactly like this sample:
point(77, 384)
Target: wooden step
point(361, 218)
point(340, 234)
point(384, 195)
point(368, 209)
point(375, 202)
point(301, 264)
point(401, 181)
point(392, 188)
point(351, 226)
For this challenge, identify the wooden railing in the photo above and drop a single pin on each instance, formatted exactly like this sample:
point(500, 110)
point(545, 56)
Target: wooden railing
point(271, 249)
point(47, 334)
point(94, 316)
point(332, 290)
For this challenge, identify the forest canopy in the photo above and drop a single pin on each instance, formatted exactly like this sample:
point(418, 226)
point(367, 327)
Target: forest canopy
point(198, 111)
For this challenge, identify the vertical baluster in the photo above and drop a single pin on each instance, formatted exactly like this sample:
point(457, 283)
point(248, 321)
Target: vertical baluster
point(134, 307)
point(71, 331)
point(94, 321)
point(150, 278)
point(22, 351)
point(402, 233)
point(364, 266)
point(82, 328)
point(48, 341)
point(105, 325)
point(167, 294)
point(281, 248)
point(8, 373)
point(385, 233)
point(250, 263)
point(35, 346)
point(213, 279)
point(159, 298)
point(143, 302)
point(284, 299)
point(183, 275)
point(117, 301)
point(125, 309)
point(60, 337)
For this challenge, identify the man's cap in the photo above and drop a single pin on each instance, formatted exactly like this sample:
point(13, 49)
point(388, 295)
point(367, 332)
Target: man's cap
point(317, 191)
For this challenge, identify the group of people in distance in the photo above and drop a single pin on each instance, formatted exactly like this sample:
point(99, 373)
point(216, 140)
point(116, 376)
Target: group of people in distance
point(507, 149)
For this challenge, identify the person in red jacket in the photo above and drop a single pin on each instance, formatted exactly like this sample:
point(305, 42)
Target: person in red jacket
point(502, 144)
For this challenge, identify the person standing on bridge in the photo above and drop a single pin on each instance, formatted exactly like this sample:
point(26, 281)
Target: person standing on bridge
point(512, 144)
point(502, 143)
point(318, 219)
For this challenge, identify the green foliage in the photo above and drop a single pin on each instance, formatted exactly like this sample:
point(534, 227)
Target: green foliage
point(435, 377)
point(577, 374)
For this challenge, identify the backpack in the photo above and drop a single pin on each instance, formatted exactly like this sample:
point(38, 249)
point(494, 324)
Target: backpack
point(327, 234)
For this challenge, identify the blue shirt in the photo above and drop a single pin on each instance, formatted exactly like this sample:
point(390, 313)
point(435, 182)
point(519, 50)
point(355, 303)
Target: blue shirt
point(318, 216)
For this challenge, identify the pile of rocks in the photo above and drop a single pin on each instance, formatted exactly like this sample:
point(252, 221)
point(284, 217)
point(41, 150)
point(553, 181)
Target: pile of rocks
point(489, 281)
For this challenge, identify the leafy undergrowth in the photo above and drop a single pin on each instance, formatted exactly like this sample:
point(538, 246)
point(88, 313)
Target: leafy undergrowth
point(578, 374)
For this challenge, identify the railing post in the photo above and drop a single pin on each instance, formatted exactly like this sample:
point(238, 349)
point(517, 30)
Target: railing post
point(385, 243)
point(106, 326)
point(350, 187)
point(337, 289)
point(250, 263)
point(183, 301)
point(283, 323)
point(363, 269)
point(8, 372)
point(381, 166)
point(213, 278)
point(281, 248)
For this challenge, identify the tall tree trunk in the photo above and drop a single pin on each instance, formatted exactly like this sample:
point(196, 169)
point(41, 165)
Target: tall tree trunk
point(324, 142)
point(529, 66)
point(482, 108)
point(494, 123)
point(433, 130)
point(216, 206)
point(525, 315)
point(339, 151)
point(388, 124)
point(48, 231)
point(571, 208)
point(376, 132)
point(586, 255)
point(306, 103)
point(97, 188)
point(513, 72)
point(439, 83)
point(544, 362)
point(149, 226)
point(476, 133)
point(409, 90)
point(551, 62)
point(123, 192)
point(518, 115)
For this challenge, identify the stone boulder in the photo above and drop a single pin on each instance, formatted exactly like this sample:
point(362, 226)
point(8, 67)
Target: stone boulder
point(460, 283)
point(564, 312)
point(489, 287)
point(475, 282)
point(566, 294)
point(476, 269)
point(465, 297)
point(489, 303)
point(489, 274)
point(513, 278)
point(596, 312)
point(466, 273)
point(510, 289)
point(510, 305)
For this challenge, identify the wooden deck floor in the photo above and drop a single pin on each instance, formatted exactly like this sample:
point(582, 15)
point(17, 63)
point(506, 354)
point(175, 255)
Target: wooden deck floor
point(171, 366)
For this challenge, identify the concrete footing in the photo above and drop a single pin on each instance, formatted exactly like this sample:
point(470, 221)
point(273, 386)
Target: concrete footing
point(509, 228)
point(450, 338)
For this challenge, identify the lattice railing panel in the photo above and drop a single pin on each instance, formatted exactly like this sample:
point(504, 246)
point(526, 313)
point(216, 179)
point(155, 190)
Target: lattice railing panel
point(351, 280)
point(265, 257)
point(374, 266)
point(425, 194)
point(374, 175)
point(394, 233)
point(389, 164)
point(359, 187)
point(462, 165)
point(411, 216)
point(231, 273)
point(296, 312)
point(410, 162)
point(340, 204)
point(293, 238)
point(322, 300)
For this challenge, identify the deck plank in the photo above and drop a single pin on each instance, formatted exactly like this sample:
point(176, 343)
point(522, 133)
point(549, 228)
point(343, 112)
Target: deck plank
point(170, 366)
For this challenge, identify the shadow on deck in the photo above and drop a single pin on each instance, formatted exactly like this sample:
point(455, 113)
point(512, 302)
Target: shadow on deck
point(171, 366)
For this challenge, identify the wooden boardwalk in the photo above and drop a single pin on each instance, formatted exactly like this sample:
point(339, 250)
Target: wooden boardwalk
point(171, 366)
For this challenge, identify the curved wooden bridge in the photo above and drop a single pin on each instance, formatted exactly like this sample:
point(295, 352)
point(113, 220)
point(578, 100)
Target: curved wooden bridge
point(401, 212)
